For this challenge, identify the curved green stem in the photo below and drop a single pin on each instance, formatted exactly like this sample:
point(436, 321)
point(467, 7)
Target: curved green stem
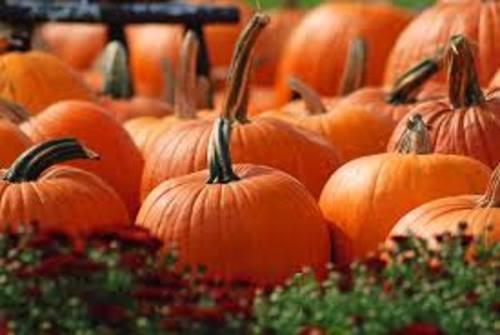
point(117, 83)
point(416, 138)
point(32, 163)
point(185, 90)
point(311, 98)
point(463, 83)
point(219, 154)
point(354, 74)
point(237, 77)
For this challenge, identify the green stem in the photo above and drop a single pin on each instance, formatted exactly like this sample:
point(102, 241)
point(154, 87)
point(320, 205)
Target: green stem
point(311, 98)
point(416, 138)
point(354, 74)
point(219, 154)
point(463, 83)
point(237, 77)
point(33, 162)
point(117, 83)
point(186, 85)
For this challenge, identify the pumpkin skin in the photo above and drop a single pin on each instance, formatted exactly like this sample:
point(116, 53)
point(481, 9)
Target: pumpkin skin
point(251, 233)
point(366, 197)
point(13, 142)
point(339, 24)
point(79, 45)
point(495, 82)
point(60, 199)
point(477, 20)
point(481, 213)
point(464, 123)
point(121, 162)
point(22, 74)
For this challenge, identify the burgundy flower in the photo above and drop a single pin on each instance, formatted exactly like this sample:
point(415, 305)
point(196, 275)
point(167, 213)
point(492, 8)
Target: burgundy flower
point(59, 264)
point(132, 261)
point(420, 328)
point(164, 294)
point(108, 313)
point(374, 264)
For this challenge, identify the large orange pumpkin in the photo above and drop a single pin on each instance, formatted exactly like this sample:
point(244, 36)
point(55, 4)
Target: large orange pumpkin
point(317, 49)
point(237, 222)
point(58, 199)
point(118, 97)
point(266, 141)
point(468, 121)
point(121, 162)
point(476, 19)
point(480, 213)
point(36, 80)
point(366, 197)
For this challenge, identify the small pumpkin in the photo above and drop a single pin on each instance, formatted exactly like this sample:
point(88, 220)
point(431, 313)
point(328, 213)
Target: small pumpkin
point(36, 80)
point(481, 213)
point(366, 197)
point(180, 151)
point(121, 162)
point(58, 199)
point(118, 97)
point(234, 220)
point(468, 121)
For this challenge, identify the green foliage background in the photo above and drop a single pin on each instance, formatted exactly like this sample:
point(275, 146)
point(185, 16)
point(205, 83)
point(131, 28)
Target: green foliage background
point(410, 4)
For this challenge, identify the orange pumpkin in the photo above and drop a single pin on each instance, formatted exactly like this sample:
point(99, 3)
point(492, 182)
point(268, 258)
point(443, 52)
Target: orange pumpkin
point(476, 19)
point(13, 141)
point(495, 82)
point(308, 53)
point(366, 197)
point(58, 199)
point(77, 44)
point(121, 162)
point(180, 151)
point(118, 97)
point(251, 233)
point(36, 80)
point(468, 121)
point(480, 213)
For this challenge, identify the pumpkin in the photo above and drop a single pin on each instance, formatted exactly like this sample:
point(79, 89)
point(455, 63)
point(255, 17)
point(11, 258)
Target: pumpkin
point(145, 130)
point(121, 162)
point(58, 199)
point(480, 213)
point(36, 80)
point(250, 233)
point(150, 44)
point(468, 121)
point(118, 97)
point(308, 54)
point(475, 19)
point(13, 141)
point(366, 197)
point(180, 151)
point(77, 44)
point(495, 82)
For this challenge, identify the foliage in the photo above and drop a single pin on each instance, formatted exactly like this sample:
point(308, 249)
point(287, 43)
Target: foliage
point(411, 289)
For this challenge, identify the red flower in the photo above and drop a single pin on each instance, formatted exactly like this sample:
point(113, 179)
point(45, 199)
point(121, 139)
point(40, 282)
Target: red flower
point(420, 328)
point(109, 313)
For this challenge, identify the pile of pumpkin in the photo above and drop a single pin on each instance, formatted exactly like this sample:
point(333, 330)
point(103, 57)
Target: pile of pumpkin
point(258, 187)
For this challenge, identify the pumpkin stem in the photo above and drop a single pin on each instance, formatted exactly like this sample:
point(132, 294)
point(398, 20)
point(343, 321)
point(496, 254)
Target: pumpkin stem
point(354, 74)
point(13, 111)
point(235, 102)
point(169, 80)
point(205, 93)
point(463, 83)
point(312, 99)
point(416, 138)
point(33, 162)
point(491, 197)
point(220, 165)
point(117, 83)
point(185, 102)
point(409, 84)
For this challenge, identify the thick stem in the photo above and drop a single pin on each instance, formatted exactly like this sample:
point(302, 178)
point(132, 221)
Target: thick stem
point(32, 163)
point(491, 197)
point(416, 138)
point(312, 99)
point(354, 74)
point(169, 80)
point(219, 154)
point(13, 111)
point(117, 83)
point(237, 77)
point(409, 84)
point(463, 83)
point(185, 90)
